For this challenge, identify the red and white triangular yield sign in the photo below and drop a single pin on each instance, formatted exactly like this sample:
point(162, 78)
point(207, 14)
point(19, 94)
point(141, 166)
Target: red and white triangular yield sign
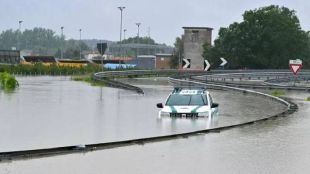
point(295, 66)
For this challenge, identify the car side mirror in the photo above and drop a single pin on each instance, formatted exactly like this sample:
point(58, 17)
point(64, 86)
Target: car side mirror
point(214, 105)
point(159, 105)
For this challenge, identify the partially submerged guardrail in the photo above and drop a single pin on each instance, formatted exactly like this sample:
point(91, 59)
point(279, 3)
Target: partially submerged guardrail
point(108, 76)
point(290, 108)
point(180, 82)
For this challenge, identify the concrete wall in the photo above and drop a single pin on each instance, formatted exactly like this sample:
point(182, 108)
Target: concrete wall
point(163, 61)
point(193, 40)
point(9, 57)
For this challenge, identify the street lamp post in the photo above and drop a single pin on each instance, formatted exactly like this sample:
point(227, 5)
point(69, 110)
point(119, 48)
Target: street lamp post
point(149, 39)
point(19, 29)
point(121, 28)
point(125, 33)
point(125, 50)
point(20, 25)
point(138, 25)
point(80, 30)
point(61, 50)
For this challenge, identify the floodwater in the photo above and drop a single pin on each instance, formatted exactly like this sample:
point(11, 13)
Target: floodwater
point(49, 112)
point(279, 146)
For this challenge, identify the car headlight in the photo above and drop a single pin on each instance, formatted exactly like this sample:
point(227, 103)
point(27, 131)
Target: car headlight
point(203, 114)
point(164, 114)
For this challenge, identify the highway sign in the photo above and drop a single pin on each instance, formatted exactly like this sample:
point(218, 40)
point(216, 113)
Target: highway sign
point(295, 66)
point(186, 63)
point(224, 62)
point(206, 65)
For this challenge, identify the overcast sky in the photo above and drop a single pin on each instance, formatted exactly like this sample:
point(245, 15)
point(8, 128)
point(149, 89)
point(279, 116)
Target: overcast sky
point(100, 19)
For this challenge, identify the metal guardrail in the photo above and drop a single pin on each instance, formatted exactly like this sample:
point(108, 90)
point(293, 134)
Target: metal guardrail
point(108, 76)
point(212, 77)
point(256, 86)
point(256, 75)
point(118, 84)
point(180, 82)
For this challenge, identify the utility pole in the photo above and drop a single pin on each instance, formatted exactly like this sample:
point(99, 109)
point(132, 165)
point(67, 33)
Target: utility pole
point(62, 34)
point(138, 25)
point(121, 29)
point(80, 30)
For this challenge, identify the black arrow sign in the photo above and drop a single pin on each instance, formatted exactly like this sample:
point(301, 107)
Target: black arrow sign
point(206, 65)
point(186, 63)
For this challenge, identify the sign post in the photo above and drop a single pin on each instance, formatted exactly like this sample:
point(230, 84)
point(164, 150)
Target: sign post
point(295, 67)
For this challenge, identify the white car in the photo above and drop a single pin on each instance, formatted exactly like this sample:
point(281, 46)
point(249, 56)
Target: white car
point(184, 102)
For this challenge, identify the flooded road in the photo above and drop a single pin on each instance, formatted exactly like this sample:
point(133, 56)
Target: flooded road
point(279, 146)
point(55, 111)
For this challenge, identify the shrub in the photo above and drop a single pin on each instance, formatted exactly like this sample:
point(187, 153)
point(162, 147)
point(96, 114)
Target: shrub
point(277, 93)
point(8, 81)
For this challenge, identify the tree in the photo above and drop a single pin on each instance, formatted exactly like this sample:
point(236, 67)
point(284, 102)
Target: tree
point(72, 49)
point(266, 38)
point(42, 42)
point(140, 40)
point(177, 54)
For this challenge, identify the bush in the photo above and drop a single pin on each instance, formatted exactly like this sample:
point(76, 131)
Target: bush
point(8, 81)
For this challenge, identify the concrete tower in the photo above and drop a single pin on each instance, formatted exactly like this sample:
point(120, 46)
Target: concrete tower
point(193, 40)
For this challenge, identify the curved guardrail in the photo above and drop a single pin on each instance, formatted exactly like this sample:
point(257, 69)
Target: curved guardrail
point(290, 108)
point(239, 79)
point(108, 76)
point(220, 77)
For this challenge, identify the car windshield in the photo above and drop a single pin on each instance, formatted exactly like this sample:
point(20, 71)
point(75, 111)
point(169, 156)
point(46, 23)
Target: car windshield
point(176, 99)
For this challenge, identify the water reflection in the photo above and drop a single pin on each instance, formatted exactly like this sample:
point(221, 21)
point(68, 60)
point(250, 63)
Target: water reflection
point(174, 123)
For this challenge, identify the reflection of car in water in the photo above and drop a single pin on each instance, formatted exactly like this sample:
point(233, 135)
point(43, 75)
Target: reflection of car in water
point(184, 102)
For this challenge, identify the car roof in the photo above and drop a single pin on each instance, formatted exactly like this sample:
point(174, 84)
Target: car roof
point(189, 91)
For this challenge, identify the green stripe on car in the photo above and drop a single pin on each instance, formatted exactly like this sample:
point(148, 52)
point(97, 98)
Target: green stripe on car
point(173, 110)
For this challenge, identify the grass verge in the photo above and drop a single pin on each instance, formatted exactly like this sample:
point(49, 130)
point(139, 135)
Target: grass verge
point(277, 93)
point(87, 79)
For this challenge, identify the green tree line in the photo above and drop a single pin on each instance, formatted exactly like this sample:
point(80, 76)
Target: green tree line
point(41, 41)
point(140, 40)
point(266, 38)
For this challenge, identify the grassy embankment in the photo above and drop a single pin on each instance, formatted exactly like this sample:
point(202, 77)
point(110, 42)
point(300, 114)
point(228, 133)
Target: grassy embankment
point(52, 69)
point(8, 81)
point(308, 99)
point(88, 79)
point(277, 93)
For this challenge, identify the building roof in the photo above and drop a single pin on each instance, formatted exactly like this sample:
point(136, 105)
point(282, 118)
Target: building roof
point(146, 56)
point(72, 61)
point(44, 59)
point(197, 28)
point(163, 55)
point(9, 50)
